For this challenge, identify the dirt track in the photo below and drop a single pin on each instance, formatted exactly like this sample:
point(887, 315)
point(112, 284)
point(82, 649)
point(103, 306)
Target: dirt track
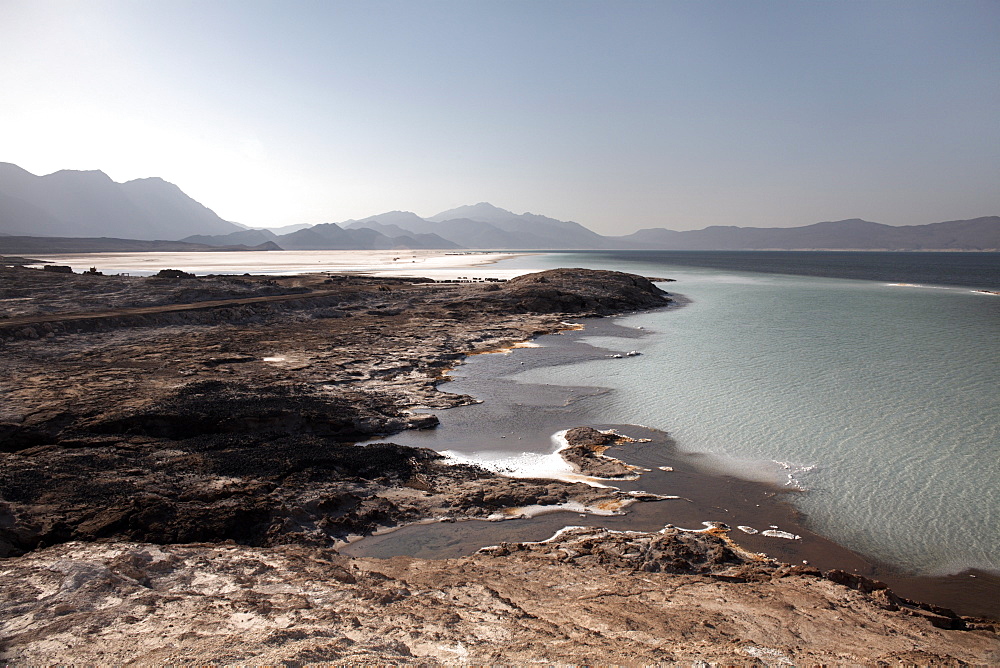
point(154, 310)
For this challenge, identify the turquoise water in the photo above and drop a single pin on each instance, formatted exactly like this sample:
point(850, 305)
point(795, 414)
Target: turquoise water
point(880, 401)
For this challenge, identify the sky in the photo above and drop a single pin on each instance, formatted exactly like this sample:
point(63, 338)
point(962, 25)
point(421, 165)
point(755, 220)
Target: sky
point(618, 114)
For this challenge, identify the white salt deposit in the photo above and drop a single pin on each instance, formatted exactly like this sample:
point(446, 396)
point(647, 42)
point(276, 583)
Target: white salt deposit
point(774, 533)
point(527, 464)
point(381, 262)
point(605, 509)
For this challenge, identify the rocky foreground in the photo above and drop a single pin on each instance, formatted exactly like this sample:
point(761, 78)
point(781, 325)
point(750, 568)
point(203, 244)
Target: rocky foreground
point(177, 459)
point(587, 597)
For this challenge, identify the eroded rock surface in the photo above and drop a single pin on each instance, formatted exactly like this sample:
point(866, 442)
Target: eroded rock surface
point(585, 451)
point(588, 596)
point(33, 293)
point(237, 420)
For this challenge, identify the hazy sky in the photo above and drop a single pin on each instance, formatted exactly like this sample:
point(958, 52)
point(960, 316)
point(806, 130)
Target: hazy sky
point(616, 114)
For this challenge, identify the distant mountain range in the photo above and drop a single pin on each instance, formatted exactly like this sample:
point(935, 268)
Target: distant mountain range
point(89, 204)
point(486, 226)
point(39, 246)
point(854, 234)
point(74, 204)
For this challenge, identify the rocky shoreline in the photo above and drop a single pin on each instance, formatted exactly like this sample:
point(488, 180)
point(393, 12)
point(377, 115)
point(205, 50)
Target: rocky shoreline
point(240, 423)
point(160, 433)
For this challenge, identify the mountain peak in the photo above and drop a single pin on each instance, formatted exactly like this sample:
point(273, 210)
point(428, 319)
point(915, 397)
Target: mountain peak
point(150, 179)
point(88, 203)
point(857, 224)
point(153, 183)
point(82, 174)
point(483, 211)
point(10, 167)
point(390, 216)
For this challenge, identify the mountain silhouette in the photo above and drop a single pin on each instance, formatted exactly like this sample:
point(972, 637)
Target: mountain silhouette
point(71, 203)
point(853, 234)
point(483, 225)
point(88, 204)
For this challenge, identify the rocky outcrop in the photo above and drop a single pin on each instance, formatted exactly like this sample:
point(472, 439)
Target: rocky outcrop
point(586, 596)
point(585, 448)
point(32, 300)
point(575, 291)
point(234, 421)
point(277, 469)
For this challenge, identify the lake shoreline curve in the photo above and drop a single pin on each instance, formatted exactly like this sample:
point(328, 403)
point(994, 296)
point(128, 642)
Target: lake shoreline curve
point(173, 481)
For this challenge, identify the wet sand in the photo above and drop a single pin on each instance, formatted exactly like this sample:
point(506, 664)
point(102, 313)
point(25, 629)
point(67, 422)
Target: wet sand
point(516, 416)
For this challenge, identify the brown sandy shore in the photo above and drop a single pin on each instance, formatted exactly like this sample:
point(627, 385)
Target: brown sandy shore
point(177, 459)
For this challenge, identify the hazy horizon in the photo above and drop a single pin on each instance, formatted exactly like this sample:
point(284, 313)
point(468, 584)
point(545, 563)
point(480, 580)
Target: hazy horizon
point(616, 115)
point(489, 204)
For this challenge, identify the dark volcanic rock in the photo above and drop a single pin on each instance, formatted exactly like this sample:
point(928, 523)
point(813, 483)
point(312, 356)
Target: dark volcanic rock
point(586, 452)
point(173, 273)
point(588, 437)
point(237, 421)
point(577, 291)
point(58, 268)
point(255, 489)
point(213, 407)
point(216, 461)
